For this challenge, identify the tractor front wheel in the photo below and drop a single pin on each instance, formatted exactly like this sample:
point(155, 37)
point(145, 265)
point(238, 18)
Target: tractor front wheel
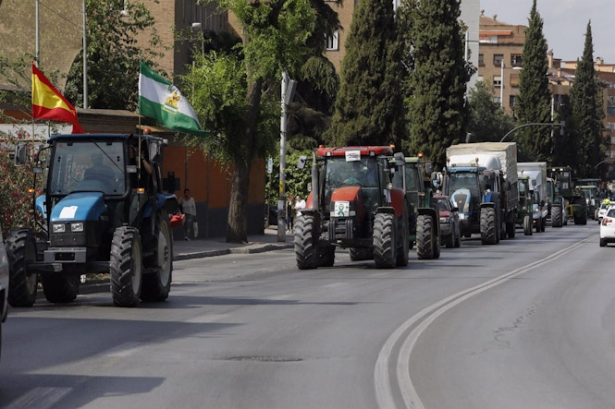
point(488, 234)
point(424, 237)
point(527, 225)
point(21, 250)
point(385, 246)
point(556, 216)
point(305, 242)
point(157, 284)
point(126, 266)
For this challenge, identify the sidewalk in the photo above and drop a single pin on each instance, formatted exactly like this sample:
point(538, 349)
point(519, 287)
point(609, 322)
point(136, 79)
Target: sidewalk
point(184, 250)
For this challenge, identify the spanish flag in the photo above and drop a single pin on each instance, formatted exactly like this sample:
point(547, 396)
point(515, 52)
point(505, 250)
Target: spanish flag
point(48, 103)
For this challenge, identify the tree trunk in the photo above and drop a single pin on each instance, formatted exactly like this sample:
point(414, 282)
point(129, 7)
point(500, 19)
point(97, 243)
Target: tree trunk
point(237, 231)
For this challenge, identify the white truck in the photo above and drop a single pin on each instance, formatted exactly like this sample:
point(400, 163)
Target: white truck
point(537, 172)
point(479, 177)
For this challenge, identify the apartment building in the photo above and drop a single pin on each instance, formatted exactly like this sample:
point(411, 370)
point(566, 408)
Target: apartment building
point(500, 59)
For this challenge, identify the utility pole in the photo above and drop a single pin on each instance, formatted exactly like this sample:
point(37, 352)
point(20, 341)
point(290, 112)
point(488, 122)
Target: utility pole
point(286, 96)
point(85, 60)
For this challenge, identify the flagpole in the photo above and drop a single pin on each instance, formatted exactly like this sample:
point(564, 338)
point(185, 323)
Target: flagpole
point(37, 49)
point(85, 60)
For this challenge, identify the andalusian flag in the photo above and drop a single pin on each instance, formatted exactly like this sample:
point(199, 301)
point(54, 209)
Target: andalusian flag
point(48, 103)
point(161, 100)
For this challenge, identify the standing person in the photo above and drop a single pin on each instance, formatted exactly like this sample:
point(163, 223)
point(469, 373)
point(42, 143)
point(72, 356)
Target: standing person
point(290, 212)
point(188, 207)
point(299, 204)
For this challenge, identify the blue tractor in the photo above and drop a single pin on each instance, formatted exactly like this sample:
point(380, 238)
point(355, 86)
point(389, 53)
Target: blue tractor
point(102, 210)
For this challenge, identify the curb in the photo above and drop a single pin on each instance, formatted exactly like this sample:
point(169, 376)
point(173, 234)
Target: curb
point(253, 249)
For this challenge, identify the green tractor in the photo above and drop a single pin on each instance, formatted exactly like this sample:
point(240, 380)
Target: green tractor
point(424, 216)
point(526, 205)
point(572, 201)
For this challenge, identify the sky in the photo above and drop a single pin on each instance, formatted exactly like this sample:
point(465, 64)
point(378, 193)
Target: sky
point(564, 23)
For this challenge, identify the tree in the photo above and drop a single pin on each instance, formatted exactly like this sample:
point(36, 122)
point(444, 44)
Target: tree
point(565, 149)
point(437, 104)
point(242, 107)
point(369, 107)
point(113, 55)
point(488, 122)
point(588, 111)
point(534, 100)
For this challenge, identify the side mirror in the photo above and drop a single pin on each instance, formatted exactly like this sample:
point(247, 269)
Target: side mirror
point(20, 154)
point(400, 160)
point(455, 209)
point(428, 167)
point(301, 162)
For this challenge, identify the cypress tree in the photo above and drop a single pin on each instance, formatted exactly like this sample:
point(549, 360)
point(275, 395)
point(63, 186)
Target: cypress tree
point(369, 106)
point(565, 151)
point(534, 142)
point(437, 104)
point(588, 111)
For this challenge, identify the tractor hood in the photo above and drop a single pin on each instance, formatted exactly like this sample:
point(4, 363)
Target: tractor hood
point(84, 206)
point(347, 201)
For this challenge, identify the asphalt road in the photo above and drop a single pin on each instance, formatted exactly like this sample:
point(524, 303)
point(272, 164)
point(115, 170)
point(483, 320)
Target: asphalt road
point(529, 323)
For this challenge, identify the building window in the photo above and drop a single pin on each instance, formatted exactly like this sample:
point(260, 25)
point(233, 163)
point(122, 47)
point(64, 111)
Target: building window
point(611, 99)
point(497, 100)
point(611, 127)
point(480, 78)
point(497, 59)
point(481, 60)
point(516, 60)
point(333, 42)
point(497, 80)
point(610, 110)
point(512, 101)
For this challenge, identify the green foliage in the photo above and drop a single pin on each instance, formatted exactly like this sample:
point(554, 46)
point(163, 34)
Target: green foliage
point(437, 106)
point(369, 106)
point(113, 55)
point(534, 106)
point(488, 122)
point(16, 202)
point(219, 87)
point(565, 150)
point(588, 111)
point(296, 179)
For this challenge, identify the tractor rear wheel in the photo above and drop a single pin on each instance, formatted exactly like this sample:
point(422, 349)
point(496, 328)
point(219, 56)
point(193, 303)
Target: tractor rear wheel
point(487, 226)
point(385, 246)
point(157, 284)
point(305, 242)
point(60, 288)
point(527, 225)
point(21, 250)
point(327, 256)
point(424, 237)
point(360, 254)
point(556, 216)
point(126, 266)
point(404, 241)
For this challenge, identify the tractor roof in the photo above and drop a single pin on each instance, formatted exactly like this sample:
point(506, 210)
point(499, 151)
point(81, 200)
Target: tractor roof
point(87, 137)
point(364, 150)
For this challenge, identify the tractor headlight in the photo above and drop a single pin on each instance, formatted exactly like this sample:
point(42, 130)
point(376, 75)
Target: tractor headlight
point(59, 228)
point(76, 227)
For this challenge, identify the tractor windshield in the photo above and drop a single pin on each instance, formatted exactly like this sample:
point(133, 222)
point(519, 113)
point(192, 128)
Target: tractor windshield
point(463, 180)
point(364, 172)
point(88, 166)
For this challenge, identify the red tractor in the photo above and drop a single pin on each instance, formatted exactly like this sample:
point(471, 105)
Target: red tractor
point(353, 205)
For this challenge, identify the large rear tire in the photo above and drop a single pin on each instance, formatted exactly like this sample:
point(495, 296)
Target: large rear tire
point(360, 254)
point(424, 237)
point(488, 234)
point(556, 216)
point(20, 251)
point(126, 267)
point(305, 242)
point(157, 284)
point(527, 225)
point(385, 246)
point(60, 288)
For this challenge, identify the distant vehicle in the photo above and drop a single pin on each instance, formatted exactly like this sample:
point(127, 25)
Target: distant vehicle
point(607, 228)
point(604, 208)
point(271, 215)
point(450, 231)
point(4, 285)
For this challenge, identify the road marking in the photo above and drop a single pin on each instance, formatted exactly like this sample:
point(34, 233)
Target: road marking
point(39, 398)
point(382, 381)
